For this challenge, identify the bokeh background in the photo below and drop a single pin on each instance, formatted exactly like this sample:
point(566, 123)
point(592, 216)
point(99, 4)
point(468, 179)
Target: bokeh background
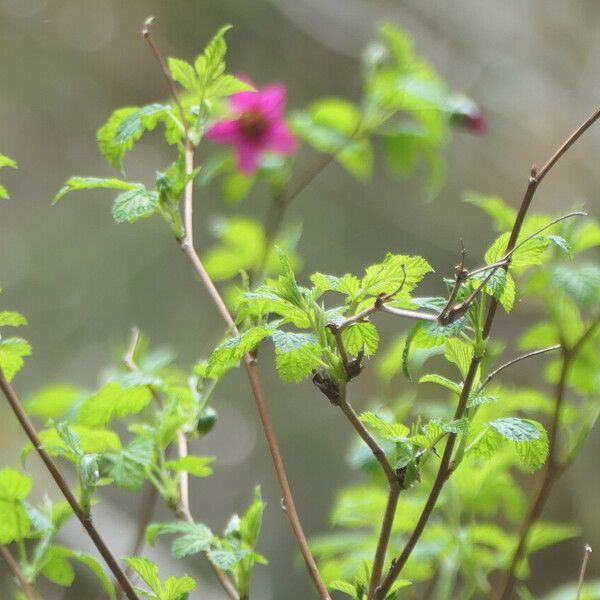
point(534, 68)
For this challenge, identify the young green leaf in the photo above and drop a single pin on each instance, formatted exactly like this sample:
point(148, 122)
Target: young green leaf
point(195, 465)
point(12, 351)
point(92, 183)
point(296, 354)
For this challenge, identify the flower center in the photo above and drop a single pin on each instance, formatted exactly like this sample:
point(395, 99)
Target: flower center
point(253, 124)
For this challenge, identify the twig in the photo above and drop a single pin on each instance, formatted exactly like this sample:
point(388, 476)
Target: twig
point(514, 361)
point(444, 469)
point(84, 518)
point(14, 568)
point(183, 511)
point(586, 556)
point(393, 485)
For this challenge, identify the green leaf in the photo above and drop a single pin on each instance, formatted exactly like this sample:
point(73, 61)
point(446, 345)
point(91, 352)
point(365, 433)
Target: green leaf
point(226, 85)
point(134, 204)
point(232, 350)
point(110, 401)
point(529, 253)
point(531, 440)
point(52, 401)
point(94, 566)
point(14, 488)
point(147, 570)
point(9, 318)
point(184, 74)
point(57, 568)
point(502, 215)
point(227, 559)
point(14, 485)
point(395, 432)
point(177, 588)
point(127, 125)
point(443, 381)
point(211, 63)
point(12, 351)
point(128, 467)
point(331, 125)
point(361, 337)
point(395, 270)
point(459, 353)
point(195, 465)
point(296, 354)
point(92, 183)
point(251, 521)
point(5, 161)
point(196, 537)
point(90, 440)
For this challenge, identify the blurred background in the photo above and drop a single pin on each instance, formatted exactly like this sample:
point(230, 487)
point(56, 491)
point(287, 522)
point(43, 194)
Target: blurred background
point(82, 281)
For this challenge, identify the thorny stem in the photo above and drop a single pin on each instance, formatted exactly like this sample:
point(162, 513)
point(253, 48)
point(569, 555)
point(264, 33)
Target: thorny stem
point(84, 518)
point(554, 467)
point(183, 511)
point(14, 568)
point(445, 470)
point(187, 245)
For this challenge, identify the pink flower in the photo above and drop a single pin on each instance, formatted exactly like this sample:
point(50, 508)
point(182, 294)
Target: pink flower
point(258, 126)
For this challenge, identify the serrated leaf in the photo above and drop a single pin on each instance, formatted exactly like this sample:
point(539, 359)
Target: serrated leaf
point(128, 467)
point(95, 567)
point(147, 570)
point(127, 125)
point(531, 440)
point(12, 351)
point(296, 354)
point(211, 63)
point(395, 270)
point(110, 401)
point(502, 215)
point(184, 74)
point(134, 204)
point(177, 588)
point(251, 522)
point(459, 353)
point(361, 337)
point(529, 253)
point(91, 183)
point(232, 350)
point(195, 465)
point(395, 432)
point(227, 559)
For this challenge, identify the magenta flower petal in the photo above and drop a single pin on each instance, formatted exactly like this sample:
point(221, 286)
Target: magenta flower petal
point(244, 101)
point(223, 132)
point(271, 101)
point(280, 139)
point(248, 157)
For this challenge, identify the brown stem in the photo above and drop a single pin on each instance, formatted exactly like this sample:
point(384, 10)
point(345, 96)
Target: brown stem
point(84, 518)
point(514, 361)
point(444, 470)
point(14, 568)
point(393, 484)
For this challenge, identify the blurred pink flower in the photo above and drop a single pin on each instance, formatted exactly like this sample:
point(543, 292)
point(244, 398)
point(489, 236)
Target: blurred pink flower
point(258, 126)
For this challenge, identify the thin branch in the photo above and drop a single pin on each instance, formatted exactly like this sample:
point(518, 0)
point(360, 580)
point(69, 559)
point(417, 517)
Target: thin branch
point(514, 361)
point(183, 511)
point(444, 469)
point(14, 568)
point(393, 493)
point(84, 518)
point(586, 556)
